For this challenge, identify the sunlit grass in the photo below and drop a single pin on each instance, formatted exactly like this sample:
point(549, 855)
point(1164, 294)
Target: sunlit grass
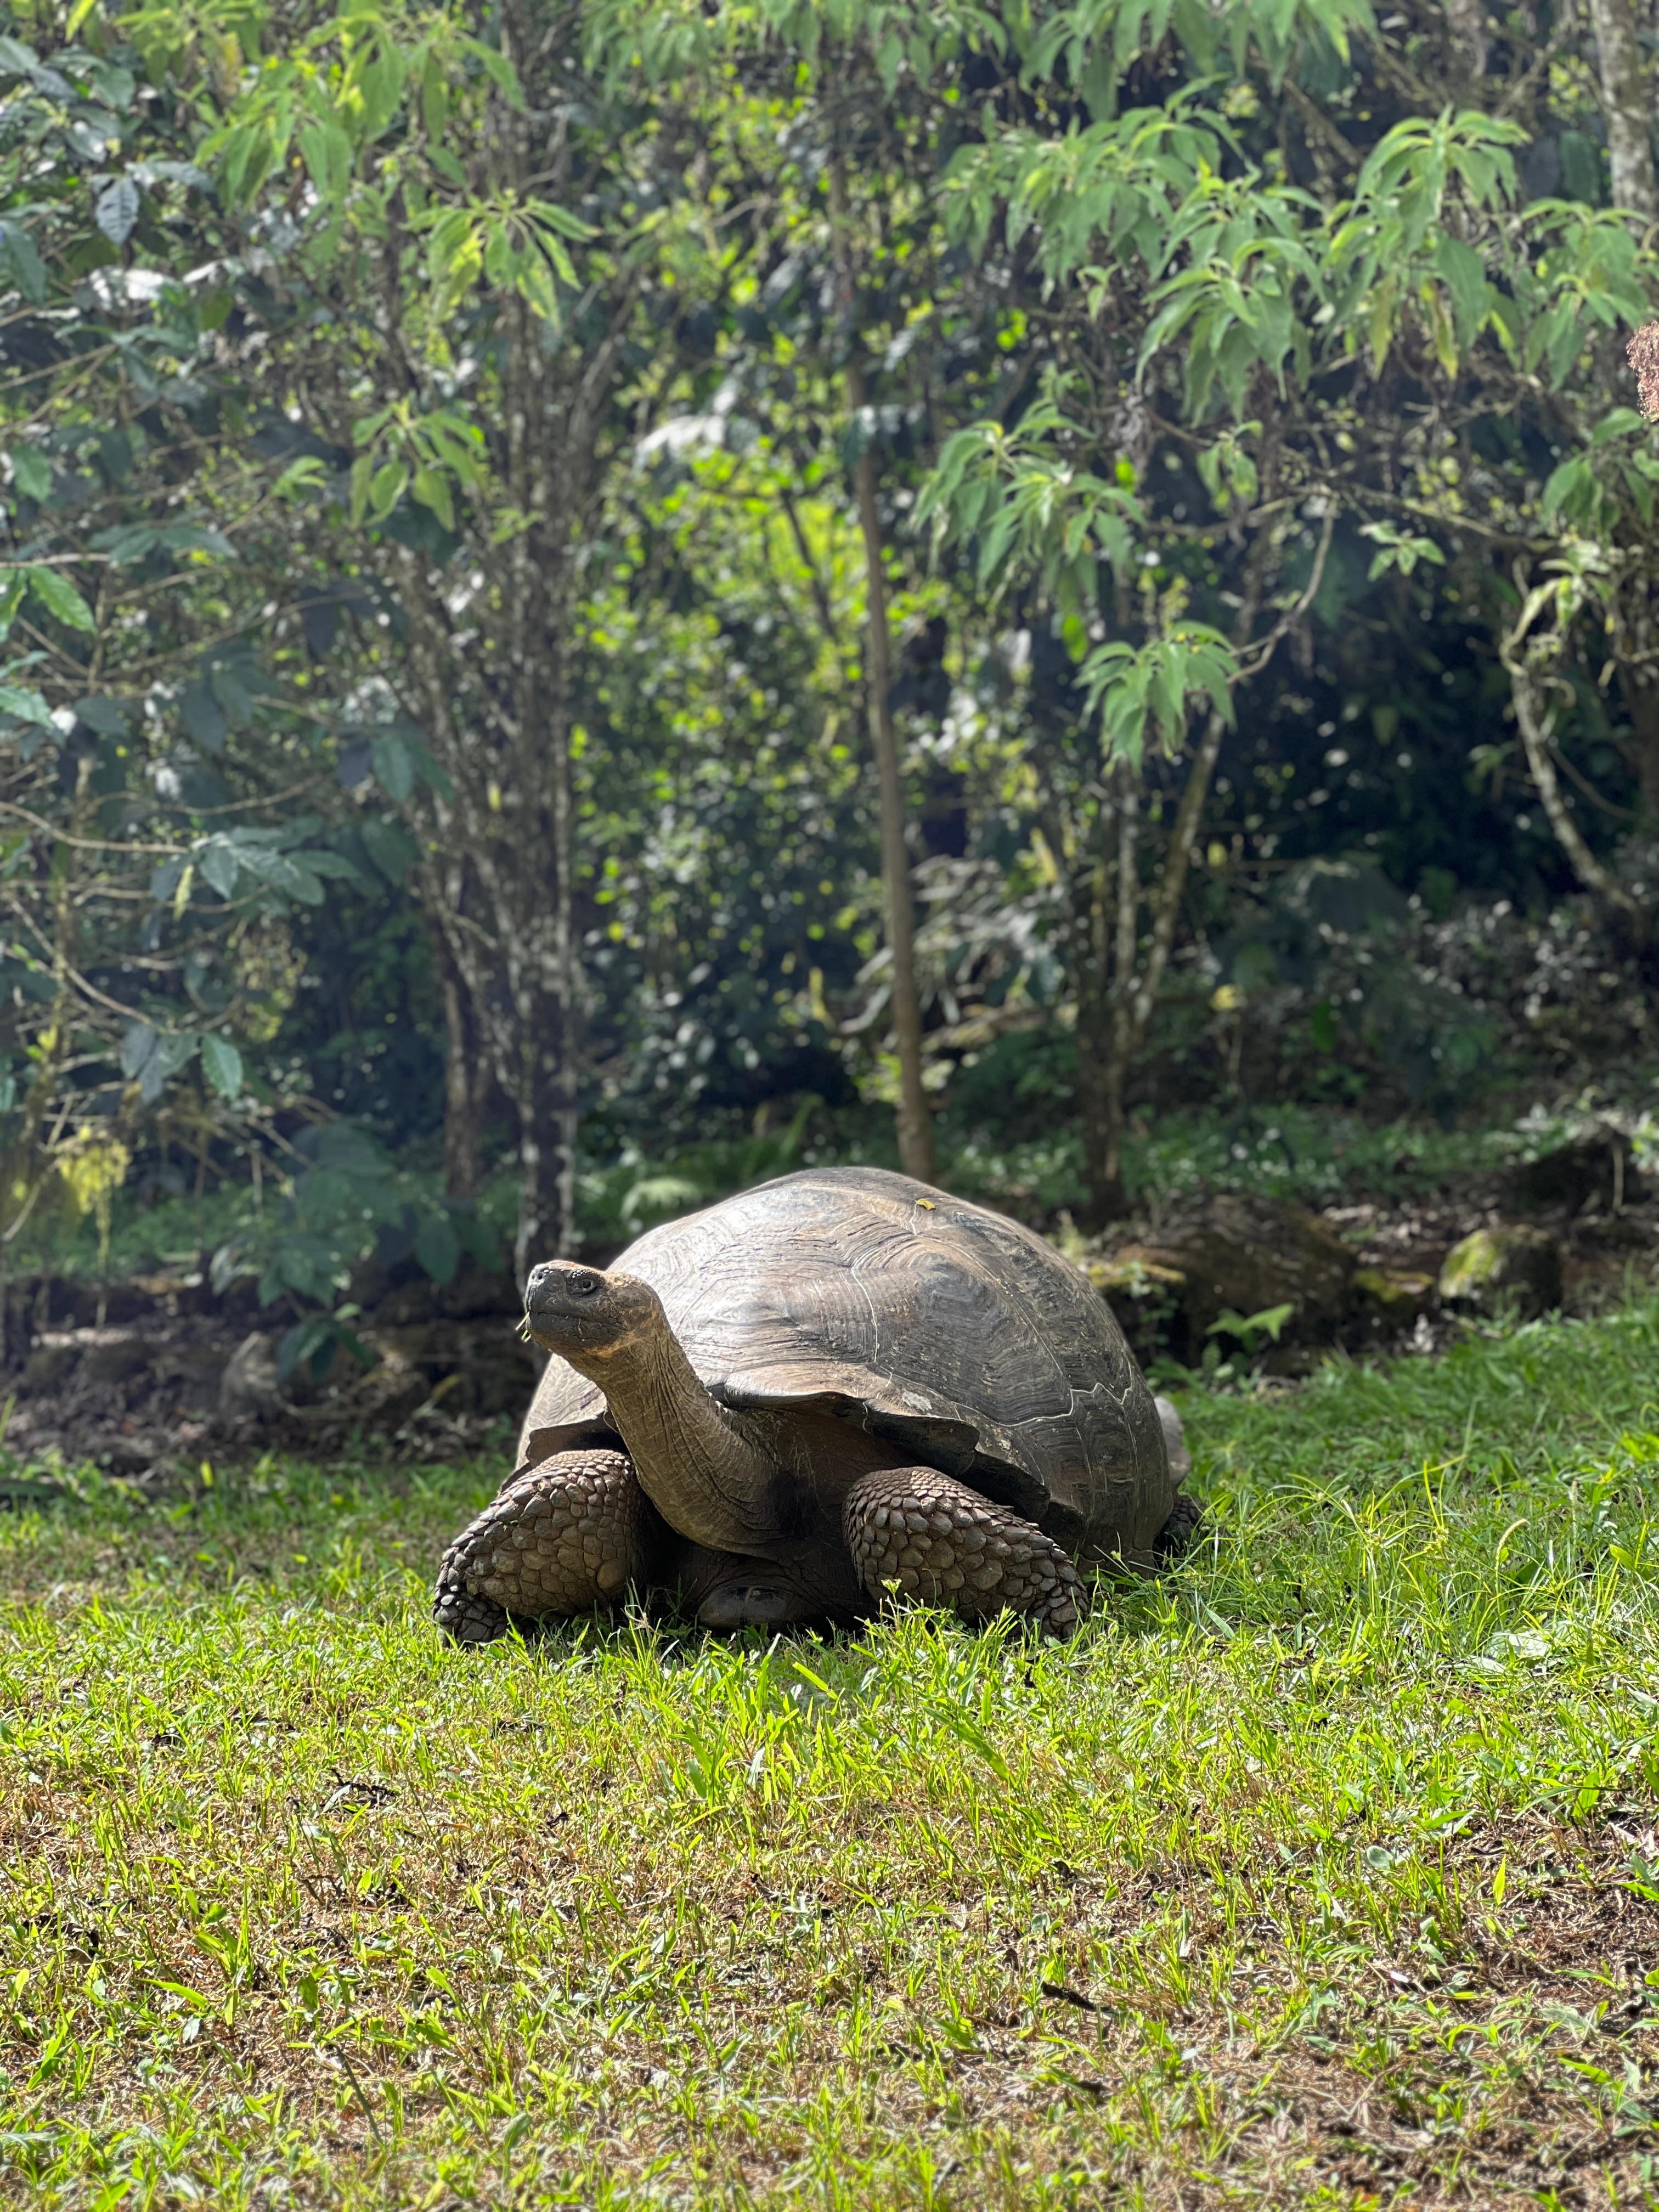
point(1320, 1871)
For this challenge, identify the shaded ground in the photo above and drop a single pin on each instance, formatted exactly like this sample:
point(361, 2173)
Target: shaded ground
point(1320, 1872)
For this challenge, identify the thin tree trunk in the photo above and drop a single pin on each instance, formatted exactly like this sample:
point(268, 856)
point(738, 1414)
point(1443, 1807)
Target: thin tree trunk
point(1107, 1199)
point(1642, 700)
point(1538, 736)
point(515, 957)
point(466, 1081)
point(915, 1126)
point(1091, 966)
point(1136, 982)
point(545, 991)
point(1469, 20)
point(1628, 105)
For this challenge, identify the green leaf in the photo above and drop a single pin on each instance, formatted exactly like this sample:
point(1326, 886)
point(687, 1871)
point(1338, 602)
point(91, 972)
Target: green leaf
point(1465, 276)
point(107, 716)
point(30, 471)
point(431, 488)
point(394, 767)
point(303, 475)
point(222, 1065)
point(386, 489)
point(232, 693)
point(60, 599)
point(27, 265)
point(327, 152)
point(390, 846)
point(1620, 422)
point(1570, 489)
point(25, 707)
point(285, 873)
point(220, 867)
point(137, 1049)
point(204, 717)
point(117, 210)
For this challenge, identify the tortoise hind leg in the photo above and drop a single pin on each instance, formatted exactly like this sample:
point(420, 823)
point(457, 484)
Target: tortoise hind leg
point(942, 1542)
point(564, 1537)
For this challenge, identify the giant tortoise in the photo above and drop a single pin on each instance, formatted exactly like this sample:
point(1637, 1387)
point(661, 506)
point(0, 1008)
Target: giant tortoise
point(838, 1385)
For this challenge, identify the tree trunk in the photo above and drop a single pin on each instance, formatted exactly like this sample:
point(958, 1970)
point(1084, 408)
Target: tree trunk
point(1642, 699)
point(1469, 20)
point(1099, 1090)
point(466, 1080)
point(490, 674)
point(544, 1097)
point(508, 810)
point(1537, 725)
point(1095, 920)
point(1121, 1017)
point(542, 970)
point(1100, 1121)
point(915, 1125)
point(1628, 105)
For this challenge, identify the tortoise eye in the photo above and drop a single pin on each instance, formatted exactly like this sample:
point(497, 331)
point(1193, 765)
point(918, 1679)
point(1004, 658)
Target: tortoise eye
point(583, 1286)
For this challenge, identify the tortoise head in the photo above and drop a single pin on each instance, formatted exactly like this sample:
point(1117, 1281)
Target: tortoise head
point(585, 1313)
point(708, 1479)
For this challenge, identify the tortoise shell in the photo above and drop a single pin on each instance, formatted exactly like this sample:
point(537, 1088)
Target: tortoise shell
point(933, 1323)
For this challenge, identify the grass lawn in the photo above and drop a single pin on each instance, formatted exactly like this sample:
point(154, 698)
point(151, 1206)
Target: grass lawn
point(1321, 1871)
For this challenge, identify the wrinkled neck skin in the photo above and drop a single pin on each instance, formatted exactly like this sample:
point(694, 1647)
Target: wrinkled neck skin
point(706, 1476)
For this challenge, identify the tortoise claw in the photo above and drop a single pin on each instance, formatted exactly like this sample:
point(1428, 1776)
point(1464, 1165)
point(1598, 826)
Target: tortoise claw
point(465, 1619)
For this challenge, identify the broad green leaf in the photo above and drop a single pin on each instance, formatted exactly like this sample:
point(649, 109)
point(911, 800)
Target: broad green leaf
point(30, 471)
point(300, 476)
point(138, 1047)
point(116, 212)
point(204, 717)
point(220, 867)
point(107, 716)
point(386, 489)
point(221, 1064)
point(394, 767)
point(60, 599)
point(27, 265)
point(390, 846)
point(25, 706)
point(431, 488)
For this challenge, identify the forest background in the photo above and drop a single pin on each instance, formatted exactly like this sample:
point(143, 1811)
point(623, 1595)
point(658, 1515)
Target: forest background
point(601, 599)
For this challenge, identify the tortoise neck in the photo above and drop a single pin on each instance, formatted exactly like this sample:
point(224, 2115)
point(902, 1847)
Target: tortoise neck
point(695, 1462)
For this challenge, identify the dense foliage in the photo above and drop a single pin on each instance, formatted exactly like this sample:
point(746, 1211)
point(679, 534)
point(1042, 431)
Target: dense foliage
point(449, 449)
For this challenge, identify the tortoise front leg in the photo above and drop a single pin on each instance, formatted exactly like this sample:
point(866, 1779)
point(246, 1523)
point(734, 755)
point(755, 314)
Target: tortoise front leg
point(942, 1542)
point(565, 1536)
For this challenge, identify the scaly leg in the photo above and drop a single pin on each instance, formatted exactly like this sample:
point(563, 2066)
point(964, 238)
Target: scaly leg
point(562, 1538)
point(944, 1543)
